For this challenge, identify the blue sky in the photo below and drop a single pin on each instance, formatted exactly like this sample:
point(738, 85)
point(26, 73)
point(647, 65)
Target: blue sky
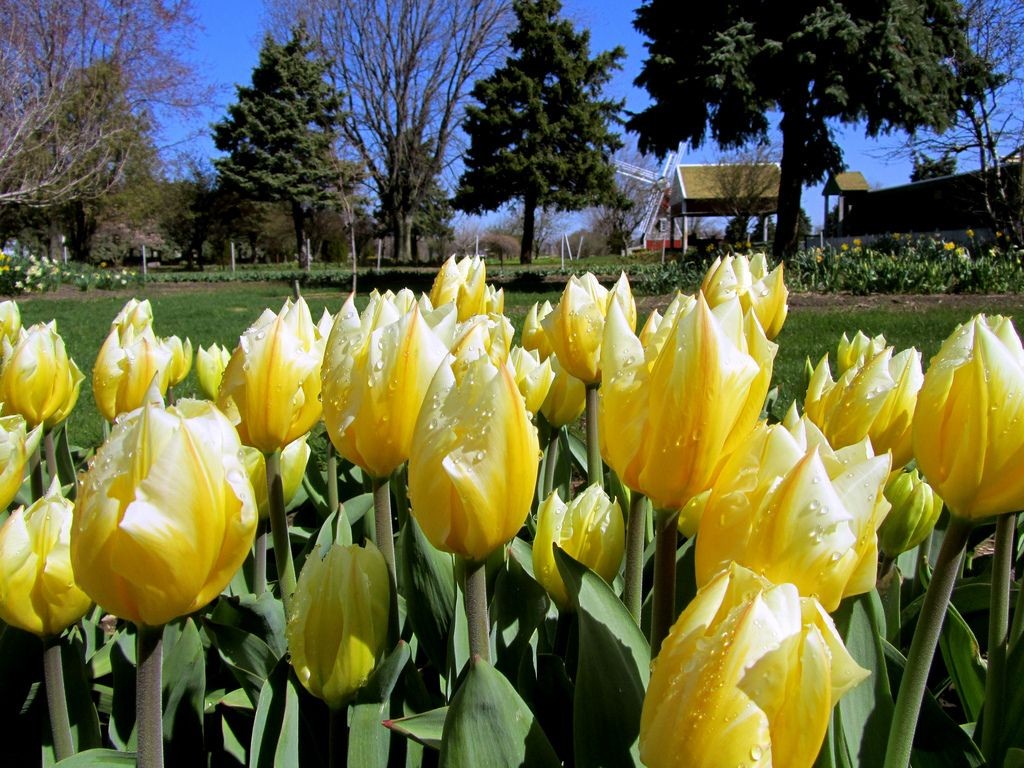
point(226, 50)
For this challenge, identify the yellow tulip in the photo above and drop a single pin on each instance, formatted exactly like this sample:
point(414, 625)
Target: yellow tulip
point(874, 397)
point(210, 365)
point(757, 288)
point(10, 320)
point(576, 326)
point(38, 379)
point(474, 460)
point(37, 588)
point(968, 439)
point(130, 361)
point(915, 510)
point(747, 676)
point(533, 377)
point(271, 386)
point(181, 359)
point(464, 283)
point(681, 406)
point(165, 513)
point(135, 314)
point(853, 351)
point(534, 335)
point(483, 335)
point(790, 508)
point(376, 372)
point(590, 530)
point(294, 458)
point(339, 621)
point(17, 444)
point(566, 398)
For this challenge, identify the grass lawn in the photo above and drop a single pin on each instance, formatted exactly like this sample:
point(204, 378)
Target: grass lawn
point(220, 313)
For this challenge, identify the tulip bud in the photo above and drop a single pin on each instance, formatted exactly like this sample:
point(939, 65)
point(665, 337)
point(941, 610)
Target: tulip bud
point(748, 675)
point(566, 398)
point(165, 514)
point(38, 380)
point(915, 510)
point(854, 351)
point(534, 335)
point(210, 365)
point(576, 326)
point(759, 290)
point(271, 386)
point(532, 376)
point(376, 372)
point(968, 440)
point(130, 361)
point(790, 508)
point(464, 283)
point(294, 458)
point(16, 447)
point(474, 460)
point(481, 335)
point(37, 588)
point(181, 359)
point(10, 320)
point(589, 529)
point(135, 314)
point(339, 621)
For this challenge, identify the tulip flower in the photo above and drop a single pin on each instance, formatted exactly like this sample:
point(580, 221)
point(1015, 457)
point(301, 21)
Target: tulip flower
point(17, 445)
point(128, 364)
point(967, 433)
point(915, 510)
point(464, 283)
point(339, 621)
point(747, 676)
point(534, 335)
point(533, 377)
point(483, 335)
point(589, 528)
point(38, 380)
point(474, 459)
point(138, 315)
point(874, 397)
point(853, 351)
point(10, 320)
point(37, 588)
point(210, 365)
point(566, 398)
point(294, 458)
point(759, 290)
point(165, 514)
point(181, 359)
point(271, 386)
point(575, 327)
point(790, 508)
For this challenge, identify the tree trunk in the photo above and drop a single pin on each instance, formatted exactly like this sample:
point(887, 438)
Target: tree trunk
point(787, 225)
point(299, 220)
point(529, 210)
point(402, 231)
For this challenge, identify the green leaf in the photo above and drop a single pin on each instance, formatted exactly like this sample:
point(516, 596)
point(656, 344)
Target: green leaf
point(488, 724)
point(85, 724)
point(613, 671)
point(121, 729)
point(184, 679)
point(261, 615)
point(275, 731)
point(369, 741)
point(98, 758)
point(518, 606)
point(425, 727)
point(1014, 758)
point(1012, 736)
point(962, 655)
point(247, 656)
point(426, 578)
point(65, 462)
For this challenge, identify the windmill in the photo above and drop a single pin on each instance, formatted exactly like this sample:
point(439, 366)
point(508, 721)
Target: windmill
point(659, 185)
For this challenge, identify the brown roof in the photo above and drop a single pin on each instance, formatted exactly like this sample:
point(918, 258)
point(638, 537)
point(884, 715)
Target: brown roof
point(848, 181)
point(707, 188)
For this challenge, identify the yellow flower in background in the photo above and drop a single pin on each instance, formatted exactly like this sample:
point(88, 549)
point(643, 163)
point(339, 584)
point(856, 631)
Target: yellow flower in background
point(948, 246)
point(10, 320)
point(38, 380)
point(566, 398)
point(165, 513)
point(377, 369)
point(17, 444)
point(875, 397)
point(135, 314)
point(37, 587)
point(575, 327)
point(181, 359)
point(271, 386)
point(756, 287)
point(793, 510)
point(294, 458)
point(532, 376)
point(590, 530)
point(681, 406)
point(968, 440)
point(130, 361)
point(210, 365)
point(915, 510)
point(854, 351)
point(339, 622)
point(748, 675)
point(464, 283)
point(474, 460)
point(534, 335)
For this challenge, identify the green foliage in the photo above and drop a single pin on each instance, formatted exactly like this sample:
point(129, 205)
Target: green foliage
point(540, 132)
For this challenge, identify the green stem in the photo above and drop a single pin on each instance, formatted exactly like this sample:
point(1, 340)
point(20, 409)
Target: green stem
point(636, 527)
point(595, 469)
point(663, 613)
point(56, 699)
point(382, 522)
point(51, 454)
point(998, 631)
point(922, 648)
point(279, 531)
point(337, 737)
point(149, 697)
point(332, 479)
point(259, 571)
point(476, 610)
point(1017, 627)
point(549, 464)
point(35, 468)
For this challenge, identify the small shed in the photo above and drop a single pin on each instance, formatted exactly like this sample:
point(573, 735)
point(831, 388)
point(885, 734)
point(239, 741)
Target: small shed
point(849, 187)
